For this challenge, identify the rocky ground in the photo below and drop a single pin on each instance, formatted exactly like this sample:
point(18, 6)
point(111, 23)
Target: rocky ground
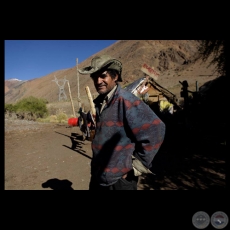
point(51, 156)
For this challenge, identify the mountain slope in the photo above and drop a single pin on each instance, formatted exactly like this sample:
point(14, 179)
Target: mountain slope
point(175, 60)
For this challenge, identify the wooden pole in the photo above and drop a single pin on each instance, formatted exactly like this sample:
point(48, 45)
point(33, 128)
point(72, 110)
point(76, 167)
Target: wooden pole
point(71, 99)
point(93, 110)
point(196, 86)
point(78, 91)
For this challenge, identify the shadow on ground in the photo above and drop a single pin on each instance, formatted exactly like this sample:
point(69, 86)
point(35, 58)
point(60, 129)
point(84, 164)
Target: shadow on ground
point(56, 184)
point(187, 161)
point(77, 142)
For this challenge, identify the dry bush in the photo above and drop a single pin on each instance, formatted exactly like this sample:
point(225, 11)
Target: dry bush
point(53, 118)
point(61, 116)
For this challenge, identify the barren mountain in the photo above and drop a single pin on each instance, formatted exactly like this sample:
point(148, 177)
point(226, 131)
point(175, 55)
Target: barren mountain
point(12, 83)
point(175, 60)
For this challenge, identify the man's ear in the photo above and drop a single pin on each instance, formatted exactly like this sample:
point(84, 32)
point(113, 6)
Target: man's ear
point(116, 78)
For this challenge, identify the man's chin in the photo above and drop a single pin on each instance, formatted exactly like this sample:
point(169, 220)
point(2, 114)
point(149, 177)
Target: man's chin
point(100, 91)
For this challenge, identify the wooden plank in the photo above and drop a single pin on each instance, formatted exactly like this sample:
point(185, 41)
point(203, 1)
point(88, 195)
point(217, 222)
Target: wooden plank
point(93, 110)
point(150, 71)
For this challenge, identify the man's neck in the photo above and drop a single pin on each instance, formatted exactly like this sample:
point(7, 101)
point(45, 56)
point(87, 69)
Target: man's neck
point(111, 92)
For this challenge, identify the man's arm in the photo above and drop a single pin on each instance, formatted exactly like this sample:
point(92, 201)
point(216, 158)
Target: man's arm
point(147, 131)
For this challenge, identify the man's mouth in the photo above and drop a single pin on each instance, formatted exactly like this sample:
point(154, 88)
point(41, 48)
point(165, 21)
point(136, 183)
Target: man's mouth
point(100, 86)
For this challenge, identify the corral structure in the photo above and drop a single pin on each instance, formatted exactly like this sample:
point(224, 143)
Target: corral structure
point(151, 92)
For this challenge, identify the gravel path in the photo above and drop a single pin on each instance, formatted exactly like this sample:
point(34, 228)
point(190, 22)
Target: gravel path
point(24, 125)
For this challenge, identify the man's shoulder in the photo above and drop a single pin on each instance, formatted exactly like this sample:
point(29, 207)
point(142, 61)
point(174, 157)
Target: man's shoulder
point(126, 94)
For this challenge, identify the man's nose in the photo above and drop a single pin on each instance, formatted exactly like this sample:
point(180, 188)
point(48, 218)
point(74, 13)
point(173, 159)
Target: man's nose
point(98, 80)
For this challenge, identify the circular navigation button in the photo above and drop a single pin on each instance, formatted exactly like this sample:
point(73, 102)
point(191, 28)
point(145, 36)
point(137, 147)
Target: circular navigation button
point(201, 220)
point(219, 220)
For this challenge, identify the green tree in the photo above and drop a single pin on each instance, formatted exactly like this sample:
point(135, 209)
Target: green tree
point(216, 49)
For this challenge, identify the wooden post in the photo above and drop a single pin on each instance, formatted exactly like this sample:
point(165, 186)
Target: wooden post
point(90, 100)
point(71, 99)
point(78, 91)
point(196, 86)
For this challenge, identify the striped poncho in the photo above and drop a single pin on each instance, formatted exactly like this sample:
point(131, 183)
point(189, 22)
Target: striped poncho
point(125, 125)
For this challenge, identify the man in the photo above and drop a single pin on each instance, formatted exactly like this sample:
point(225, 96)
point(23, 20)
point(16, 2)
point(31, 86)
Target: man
point(83, 124)
point(127, 130)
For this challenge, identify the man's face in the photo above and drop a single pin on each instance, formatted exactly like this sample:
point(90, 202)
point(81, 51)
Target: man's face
point(103, 82)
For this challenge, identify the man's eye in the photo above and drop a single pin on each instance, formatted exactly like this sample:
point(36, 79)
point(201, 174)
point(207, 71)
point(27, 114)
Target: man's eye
point(103, 75)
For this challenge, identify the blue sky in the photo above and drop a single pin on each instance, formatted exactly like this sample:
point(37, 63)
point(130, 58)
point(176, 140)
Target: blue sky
point(30, 59)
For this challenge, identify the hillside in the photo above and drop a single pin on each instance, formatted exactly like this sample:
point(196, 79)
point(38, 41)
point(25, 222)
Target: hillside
point(175, 60)
point(12, 83)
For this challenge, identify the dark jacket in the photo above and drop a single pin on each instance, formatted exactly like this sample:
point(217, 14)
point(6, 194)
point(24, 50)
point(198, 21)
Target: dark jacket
point(125, 125)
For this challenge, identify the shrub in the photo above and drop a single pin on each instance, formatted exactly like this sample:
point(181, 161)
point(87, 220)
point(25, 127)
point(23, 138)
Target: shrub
point(32, 105)
point(61, 116)
point(53, 118)
point(10, 108)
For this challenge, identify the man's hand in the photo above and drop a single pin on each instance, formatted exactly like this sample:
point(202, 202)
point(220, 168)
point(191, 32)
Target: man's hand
point(124, 176)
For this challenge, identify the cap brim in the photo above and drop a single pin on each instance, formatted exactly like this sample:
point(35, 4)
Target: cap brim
point(87, 70)
point(91, 70)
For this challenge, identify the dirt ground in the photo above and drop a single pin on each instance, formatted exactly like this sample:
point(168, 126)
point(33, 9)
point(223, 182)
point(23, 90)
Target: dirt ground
point(53, 156)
